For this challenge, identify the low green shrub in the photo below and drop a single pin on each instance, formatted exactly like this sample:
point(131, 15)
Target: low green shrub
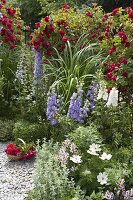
point(115, 124)
point(6, 128)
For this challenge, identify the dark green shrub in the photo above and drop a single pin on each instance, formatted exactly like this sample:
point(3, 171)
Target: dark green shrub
point(30, 132)
point(6, 128)
point(115, 124)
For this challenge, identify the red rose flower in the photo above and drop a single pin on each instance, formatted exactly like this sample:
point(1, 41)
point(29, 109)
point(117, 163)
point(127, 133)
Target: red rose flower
point(105, 17)
point(111, 67)
point(125, 74)
point(117, 64)
point(122, 35)
point(62, 33)
point(130, 15)
point(101, 38)
point(89, 14)
point(1, 6)
point(3, 1)
point(37, 25)
point(109, 75)
point(51, 27)
point(65, 6)
point(115, 11)
point(123, 60)
point(113, 78)
point(127, 44)
point(13, 46)
point(64, 39)
point(111, 50)
point(47, 18)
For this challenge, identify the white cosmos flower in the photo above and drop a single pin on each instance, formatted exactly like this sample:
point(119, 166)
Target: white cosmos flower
point(94, 148)
point(113, 98)
point(102, 178)
point(105, 156)
point(76, 159)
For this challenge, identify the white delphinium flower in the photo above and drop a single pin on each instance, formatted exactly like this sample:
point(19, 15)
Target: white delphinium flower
point(113, 98)
point(102, 94)
point(102, 178)
point(105, 156)
point(76, 159)
point(94, 148)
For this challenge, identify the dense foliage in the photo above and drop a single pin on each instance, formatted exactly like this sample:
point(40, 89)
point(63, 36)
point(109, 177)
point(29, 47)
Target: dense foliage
point(73, 86)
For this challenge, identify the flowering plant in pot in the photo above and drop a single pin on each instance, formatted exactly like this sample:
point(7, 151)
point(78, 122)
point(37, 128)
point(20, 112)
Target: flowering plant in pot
point(22, 151)
point(13, 152)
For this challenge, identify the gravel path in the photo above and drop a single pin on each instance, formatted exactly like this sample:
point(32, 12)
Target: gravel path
point(15, 177)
